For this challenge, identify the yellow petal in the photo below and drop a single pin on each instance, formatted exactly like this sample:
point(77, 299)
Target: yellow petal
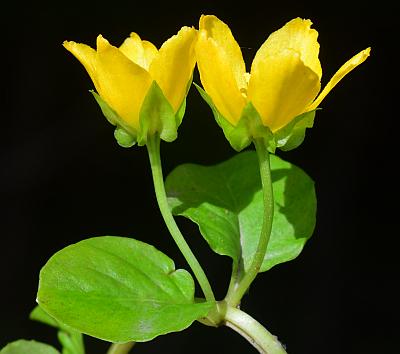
point(122, 83)
point(342, 72)
point(86, 55)
point(218, 78)
point(150, 51)
point(140, 52)
point(281, 86)
point(173, 67)
point(298, 36)
point(222, 35)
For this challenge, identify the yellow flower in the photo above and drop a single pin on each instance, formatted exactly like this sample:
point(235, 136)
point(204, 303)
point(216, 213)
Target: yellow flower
point(285, 76)
point(123, 76)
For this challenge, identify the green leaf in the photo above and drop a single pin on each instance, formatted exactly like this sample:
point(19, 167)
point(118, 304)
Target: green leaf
point(23, 346)
point(118, 289)
point(225, 201)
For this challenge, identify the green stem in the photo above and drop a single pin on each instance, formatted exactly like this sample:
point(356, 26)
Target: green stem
point(236, 293)
point(253, 331)
point(153, 147)
point(234, 278)
point(77, 339)
point(120, 348)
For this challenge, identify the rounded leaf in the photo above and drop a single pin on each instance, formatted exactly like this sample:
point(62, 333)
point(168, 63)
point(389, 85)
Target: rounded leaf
point(118, 289)
point(226, 202)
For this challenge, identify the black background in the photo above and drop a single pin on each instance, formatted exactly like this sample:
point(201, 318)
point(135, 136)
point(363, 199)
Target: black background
point(64, 178)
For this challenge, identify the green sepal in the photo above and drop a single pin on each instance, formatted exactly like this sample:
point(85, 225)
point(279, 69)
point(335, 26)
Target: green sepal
point(124, 134)
point(181, 111)
point(158, 116)
point(123, 138)
point(292, 135)
point(250, 127)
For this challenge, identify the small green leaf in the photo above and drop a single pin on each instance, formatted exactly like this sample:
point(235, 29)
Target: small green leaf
point(118, 289)
point(225, 201)
point(23, 346)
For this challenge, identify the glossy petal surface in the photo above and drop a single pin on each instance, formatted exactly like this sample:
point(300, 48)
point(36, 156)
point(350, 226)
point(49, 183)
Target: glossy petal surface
point(140, 52)
point(298, 36)
point(172, 68)
point(122, 83)
point(222, 35)
point(86, 56)
point(281, 86)
point(221, 68)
